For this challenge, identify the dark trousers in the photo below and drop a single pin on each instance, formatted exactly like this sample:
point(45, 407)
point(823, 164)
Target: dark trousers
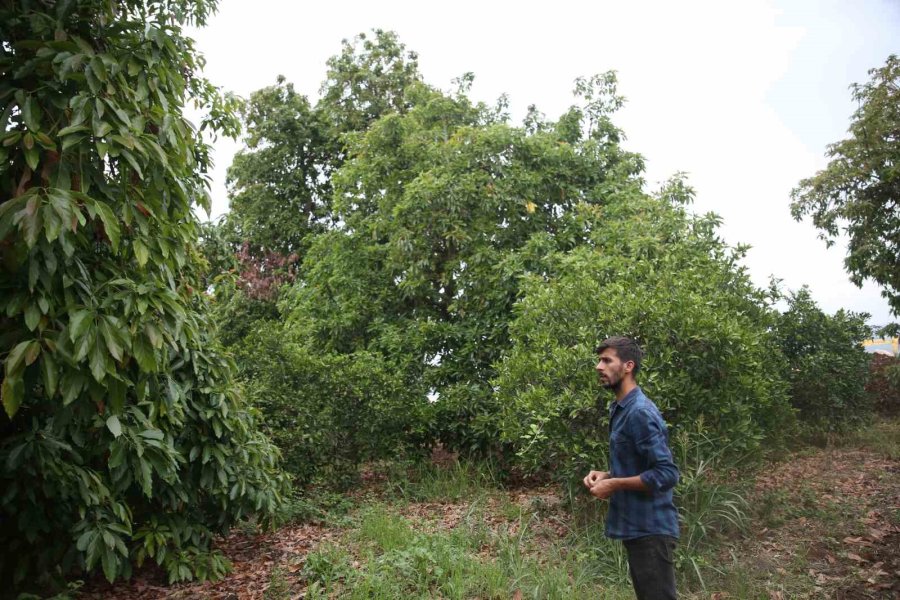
point(651, 561)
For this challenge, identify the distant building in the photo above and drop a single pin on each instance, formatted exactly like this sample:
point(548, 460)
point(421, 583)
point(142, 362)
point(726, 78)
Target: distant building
point(883, 346)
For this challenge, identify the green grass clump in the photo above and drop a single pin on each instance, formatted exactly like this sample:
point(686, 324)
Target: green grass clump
point(425, 482)
point(391, 559)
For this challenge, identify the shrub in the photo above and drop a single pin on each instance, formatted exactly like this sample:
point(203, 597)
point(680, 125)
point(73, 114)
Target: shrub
point(827, 368)
point(665, 279)
point(328, 412)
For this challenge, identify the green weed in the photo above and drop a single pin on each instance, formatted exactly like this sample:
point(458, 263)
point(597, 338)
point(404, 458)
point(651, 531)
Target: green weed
point(469, 561)
point(279, 588)
point(425, 482)
point(881, 437)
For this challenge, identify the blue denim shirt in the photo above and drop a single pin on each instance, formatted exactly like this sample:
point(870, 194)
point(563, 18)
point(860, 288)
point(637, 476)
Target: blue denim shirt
point(639, 445)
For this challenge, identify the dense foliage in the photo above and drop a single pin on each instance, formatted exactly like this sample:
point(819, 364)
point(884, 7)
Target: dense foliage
point(124, 437)
point(826, 365)
point(451, 255)
point(859, 190)
point(457, 270)
point(329, 411)
point(654, 273)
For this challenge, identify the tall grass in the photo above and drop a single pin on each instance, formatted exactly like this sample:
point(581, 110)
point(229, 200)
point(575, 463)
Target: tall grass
point(387, 556)
point(394, 560)
point(881, 437)
point(426, 482)
point(708, 508)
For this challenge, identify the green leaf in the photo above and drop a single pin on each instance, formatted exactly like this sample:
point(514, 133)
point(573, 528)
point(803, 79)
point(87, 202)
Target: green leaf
point(102, 129)
point(116, 456)
point(143, 353)
point(12, 391)
point(112, 344)
point(32, 316)
point(117, 390)
point(112, 423)
point(99, 68)
point(140, 252)
point(32, 352)
point(15, 362)
point(49, 373)
point(110, 564)
point(72, 129)
point(32, 157)
point(153, 434)
point(12, 138)
point(84, 540)
point(71, 385)
point(153, 334)
point(4, 116)
point(72, 140)
point(9, 211)
point(110, 223)
point(44, 140)
point(31, 114)
point(79, 322)
point(133, 162)
point(98, 361)
point(121, 114)
point(145, 476)
point(52, 225)
point(31, 219)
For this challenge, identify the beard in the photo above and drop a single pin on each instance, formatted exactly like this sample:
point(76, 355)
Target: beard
point(612, 382)
point(614, 386)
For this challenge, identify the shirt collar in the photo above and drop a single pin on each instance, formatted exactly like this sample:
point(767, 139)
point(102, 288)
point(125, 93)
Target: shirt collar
point(629, 397)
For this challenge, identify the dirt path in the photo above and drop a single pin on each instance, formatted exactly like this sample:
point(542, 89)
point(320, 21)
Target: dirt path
point(826, 524)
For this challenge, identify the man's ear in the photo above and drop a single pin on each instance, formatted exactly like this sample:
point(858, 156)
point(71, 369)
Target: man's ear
point(629, 366)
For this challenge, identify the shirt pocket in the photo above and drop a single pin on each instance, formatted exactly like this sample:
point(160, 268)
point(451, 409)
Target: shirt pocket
point(618, 441)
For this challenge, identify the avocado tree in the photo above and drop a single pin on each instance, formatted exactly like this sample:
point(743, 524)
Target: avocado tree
point(858, 193)
point(123, 437)
point(443, 209)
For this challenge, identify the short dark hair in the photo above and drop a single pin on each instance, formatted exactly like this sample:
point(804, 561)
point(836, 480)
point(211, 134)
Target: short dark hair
point(626, 349)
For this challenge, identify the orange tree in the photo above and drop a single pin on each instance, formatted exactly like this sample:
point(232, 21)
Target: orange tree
point(827, 367)
point(652, 271)
point(123, 437)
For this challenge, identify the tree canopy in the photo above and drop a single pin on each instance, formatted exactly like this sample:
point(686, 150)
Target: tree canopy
point(470, 264)
point(858, 193)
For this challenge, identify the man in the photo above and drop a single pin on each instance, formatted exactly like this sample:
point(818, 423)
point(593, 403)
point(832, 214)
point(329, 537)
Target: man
point(641, 476)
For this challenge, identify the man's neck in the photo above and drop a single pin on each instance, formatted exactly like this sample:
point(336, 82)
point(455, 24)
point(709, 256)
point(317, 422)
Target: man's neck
point(625, 388)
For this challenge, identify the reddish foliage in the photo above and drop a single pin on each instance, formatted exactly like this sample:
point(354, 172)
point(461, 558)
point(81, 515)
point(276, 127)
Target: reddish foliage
point(262, 273)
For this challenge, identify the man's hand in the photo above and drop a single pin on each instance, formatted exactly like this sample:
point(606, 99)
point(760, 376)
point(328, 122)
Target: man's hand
point(593, 477)
point(604, 488)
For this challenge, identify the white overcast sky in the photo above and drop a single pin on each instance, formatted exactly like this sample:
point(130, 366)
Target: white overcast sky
point(743, 96)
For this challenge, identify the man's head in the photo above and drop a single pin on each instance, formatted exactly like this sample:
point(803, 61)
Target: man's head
point(619, 359)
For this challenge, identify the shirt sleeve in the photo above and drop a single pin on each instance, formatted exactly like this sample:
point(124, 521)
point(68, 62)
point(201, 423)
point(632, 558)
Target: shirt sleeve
point(651, 443)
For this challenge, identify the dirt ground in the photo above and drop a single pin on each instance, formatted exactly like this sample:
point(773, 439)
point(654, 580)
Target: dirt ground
point(832, 516)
